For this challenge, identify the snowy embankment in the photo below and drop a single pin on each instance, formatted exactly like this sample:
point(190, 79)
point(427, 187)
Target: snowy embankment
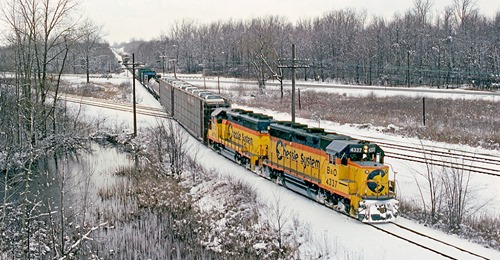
point(330, 234)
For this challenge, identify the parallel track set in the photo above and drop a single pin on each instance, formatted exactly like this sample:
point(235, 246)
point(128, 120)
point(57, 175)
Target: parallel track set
point(142, 110)
point(474, 162)
point(398, 151)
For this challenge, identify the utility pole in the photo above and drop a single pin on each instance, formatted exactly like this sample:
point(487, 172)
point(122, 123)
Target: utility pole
point(174, 61)
point(126, 64)
point(133, 94)
point(408, 69)
point(293, 66)
point(163, 64)
point(423, 110)
point(293, 83)
point(218, 81)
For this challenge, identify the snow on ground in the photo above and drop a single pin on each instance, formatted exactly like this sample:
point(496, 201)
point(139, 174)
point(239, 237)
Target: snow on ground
point(113, 118)
point(333, 235)
point(350, 90)
point(485, 190)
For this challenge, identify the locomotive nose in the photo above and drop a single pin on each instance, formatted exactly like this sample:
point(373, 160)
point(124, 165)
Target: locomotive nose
point(375, 180)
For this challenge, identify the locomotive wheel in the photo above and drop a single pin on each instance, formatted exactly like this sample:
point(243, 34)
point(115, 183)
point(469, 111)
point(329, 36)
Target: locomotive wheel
point(268, 173)
point(237, 159)
point(331, 202)
point(280, 180)
point(245, 162)
point(321, 197)
point(214, 146)
point(347, 208)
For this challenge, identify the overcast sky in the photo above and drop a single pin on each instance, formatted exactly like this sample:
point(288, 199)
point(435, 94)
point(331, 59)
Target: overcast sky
point(147, 19)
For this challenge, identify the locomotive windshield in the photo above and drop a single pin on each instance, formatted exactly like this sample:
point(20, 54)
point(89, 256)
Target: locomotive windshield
point(365, 153)
point(361, 156)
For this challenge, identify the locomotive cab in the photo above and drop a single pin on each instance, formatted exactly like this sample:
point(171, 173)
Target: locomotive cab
point(216, 129)
point(370, 186)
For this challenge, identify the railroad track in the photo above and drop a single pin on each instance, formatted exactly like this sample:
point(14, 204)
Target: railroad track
point(451, 158)
point(445, 163)
point(459, 160)
point(438, 246)
point(142, 110)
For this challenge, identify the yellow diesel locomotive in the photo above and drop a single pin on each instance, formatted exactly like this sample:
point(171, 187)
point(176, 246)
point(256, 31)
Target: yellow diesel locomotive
point(343, 173)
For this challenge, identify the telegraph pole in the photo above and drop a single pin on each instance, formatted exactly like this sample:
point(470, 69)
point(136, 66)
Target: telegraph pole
point(293, 66)
point(126, 64)
point(163, 64)
point(133, 89)
point(133, 94)
point(423, 110)
point(293, 83)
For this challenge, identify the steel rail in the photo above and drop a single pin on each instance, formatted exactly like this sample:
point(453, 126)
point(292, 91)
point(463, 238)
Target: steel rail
point(143, 110)
point(442, 163)
point(411, 241)
point(437, 240)
point(491, 167)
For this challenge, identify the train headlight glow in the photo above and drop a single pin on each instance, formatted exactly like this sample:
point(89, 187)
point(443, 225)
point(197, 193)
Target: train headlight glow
point(365, 149)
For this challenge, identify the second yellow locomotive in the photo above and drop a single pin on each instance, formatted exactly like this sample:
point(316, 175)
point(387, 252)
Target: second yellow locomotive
point(336, 170)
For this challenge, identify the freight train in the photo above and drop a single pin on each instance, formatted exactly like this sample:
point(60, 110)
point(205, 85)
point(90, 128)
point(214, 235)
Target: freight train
point(341, 172)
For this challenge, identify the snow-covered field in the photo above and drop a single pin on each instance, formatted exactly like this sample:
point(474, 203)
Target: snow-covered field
point(349, 90)
point(333, 234)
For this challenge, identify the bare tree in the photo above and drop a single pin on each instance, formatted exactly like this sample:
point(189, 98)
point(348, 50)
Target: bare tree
point(260, 44)
point(276, 72)
point(39, 35)
point(463, 9)
point(422, 9)
point(455, 47)
point(38, 30)
point(90, 36)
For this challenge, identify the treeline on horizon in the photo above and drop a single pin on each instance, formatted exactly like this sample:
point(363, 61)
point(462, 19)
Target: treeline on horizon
point(455, 48)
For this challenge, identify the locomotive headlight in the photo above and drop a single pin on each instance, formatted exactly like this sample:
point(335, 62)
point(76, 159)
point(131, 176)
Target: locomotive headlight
point(365, 149)
point(367, 171)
